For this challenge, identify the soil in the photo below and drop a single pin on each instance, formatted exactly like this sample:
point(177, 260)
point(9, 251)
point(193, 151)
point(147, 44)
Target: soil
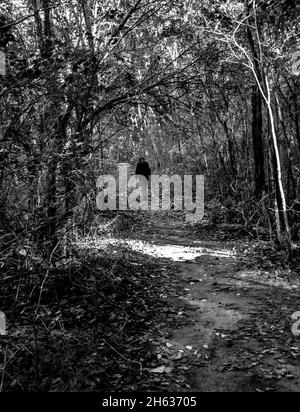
point(238, 319)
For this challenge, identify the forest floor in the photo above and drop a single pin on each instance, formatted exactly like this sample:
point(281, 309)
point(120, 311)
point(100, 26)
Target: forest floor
point(159, 306)
point(236, 333)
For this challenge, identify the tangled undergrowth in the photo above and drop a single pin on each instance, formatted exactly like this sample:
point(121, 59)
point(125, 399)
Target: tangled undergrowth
point(91, 326)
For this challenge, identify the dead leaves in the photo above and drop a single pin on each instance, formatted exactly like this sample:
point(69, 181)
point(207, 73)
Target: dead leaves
point(162, 369)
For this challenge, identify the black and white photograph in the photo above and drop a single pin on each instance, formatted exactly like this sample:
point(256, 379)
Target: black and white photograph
point(149, 199)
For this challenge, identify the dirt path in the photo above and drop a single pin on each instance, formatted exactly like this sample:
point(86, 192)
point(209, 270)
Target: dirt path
point(158, 307)
point(238, 321)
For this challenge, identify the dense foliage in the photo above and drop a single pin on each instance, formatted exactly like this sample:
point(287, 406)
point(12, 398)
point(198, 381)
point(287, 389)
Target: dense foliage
point(198, 87)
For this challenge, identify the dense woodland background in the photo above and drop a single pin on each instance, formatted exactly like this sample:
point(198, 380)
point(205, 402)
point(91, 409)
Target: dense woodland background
point(205, 87)
point(199, 87)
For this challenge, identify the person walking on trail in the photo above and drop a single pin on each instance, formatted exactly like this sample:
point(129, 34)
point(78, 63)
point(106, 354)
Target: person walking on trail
point(143, 173)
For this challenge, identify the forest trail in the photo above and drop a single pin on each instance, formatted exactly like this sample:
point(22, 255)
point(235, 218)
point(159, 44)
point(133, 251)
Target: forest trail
point(96, 296)
point(237, 322)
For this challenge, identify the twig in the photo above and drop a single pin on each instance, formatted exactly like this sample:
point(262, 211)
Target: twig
point(4, 367)
point(127, 360)
point(46, 277)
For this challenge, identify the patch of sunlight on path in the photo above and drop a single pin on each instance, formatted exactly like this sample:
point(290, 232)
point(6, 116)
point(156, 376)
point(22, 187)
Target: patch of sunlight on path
point(176, 253)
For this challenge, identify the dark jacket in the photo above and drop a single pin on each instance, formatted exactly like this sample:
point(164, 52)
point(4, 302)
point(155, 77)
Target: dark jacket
point(143, 169)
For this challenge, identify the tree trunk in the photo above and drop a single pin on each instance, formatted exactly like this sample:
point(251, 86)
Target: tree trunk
point(280, 195)
point(258, 144)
